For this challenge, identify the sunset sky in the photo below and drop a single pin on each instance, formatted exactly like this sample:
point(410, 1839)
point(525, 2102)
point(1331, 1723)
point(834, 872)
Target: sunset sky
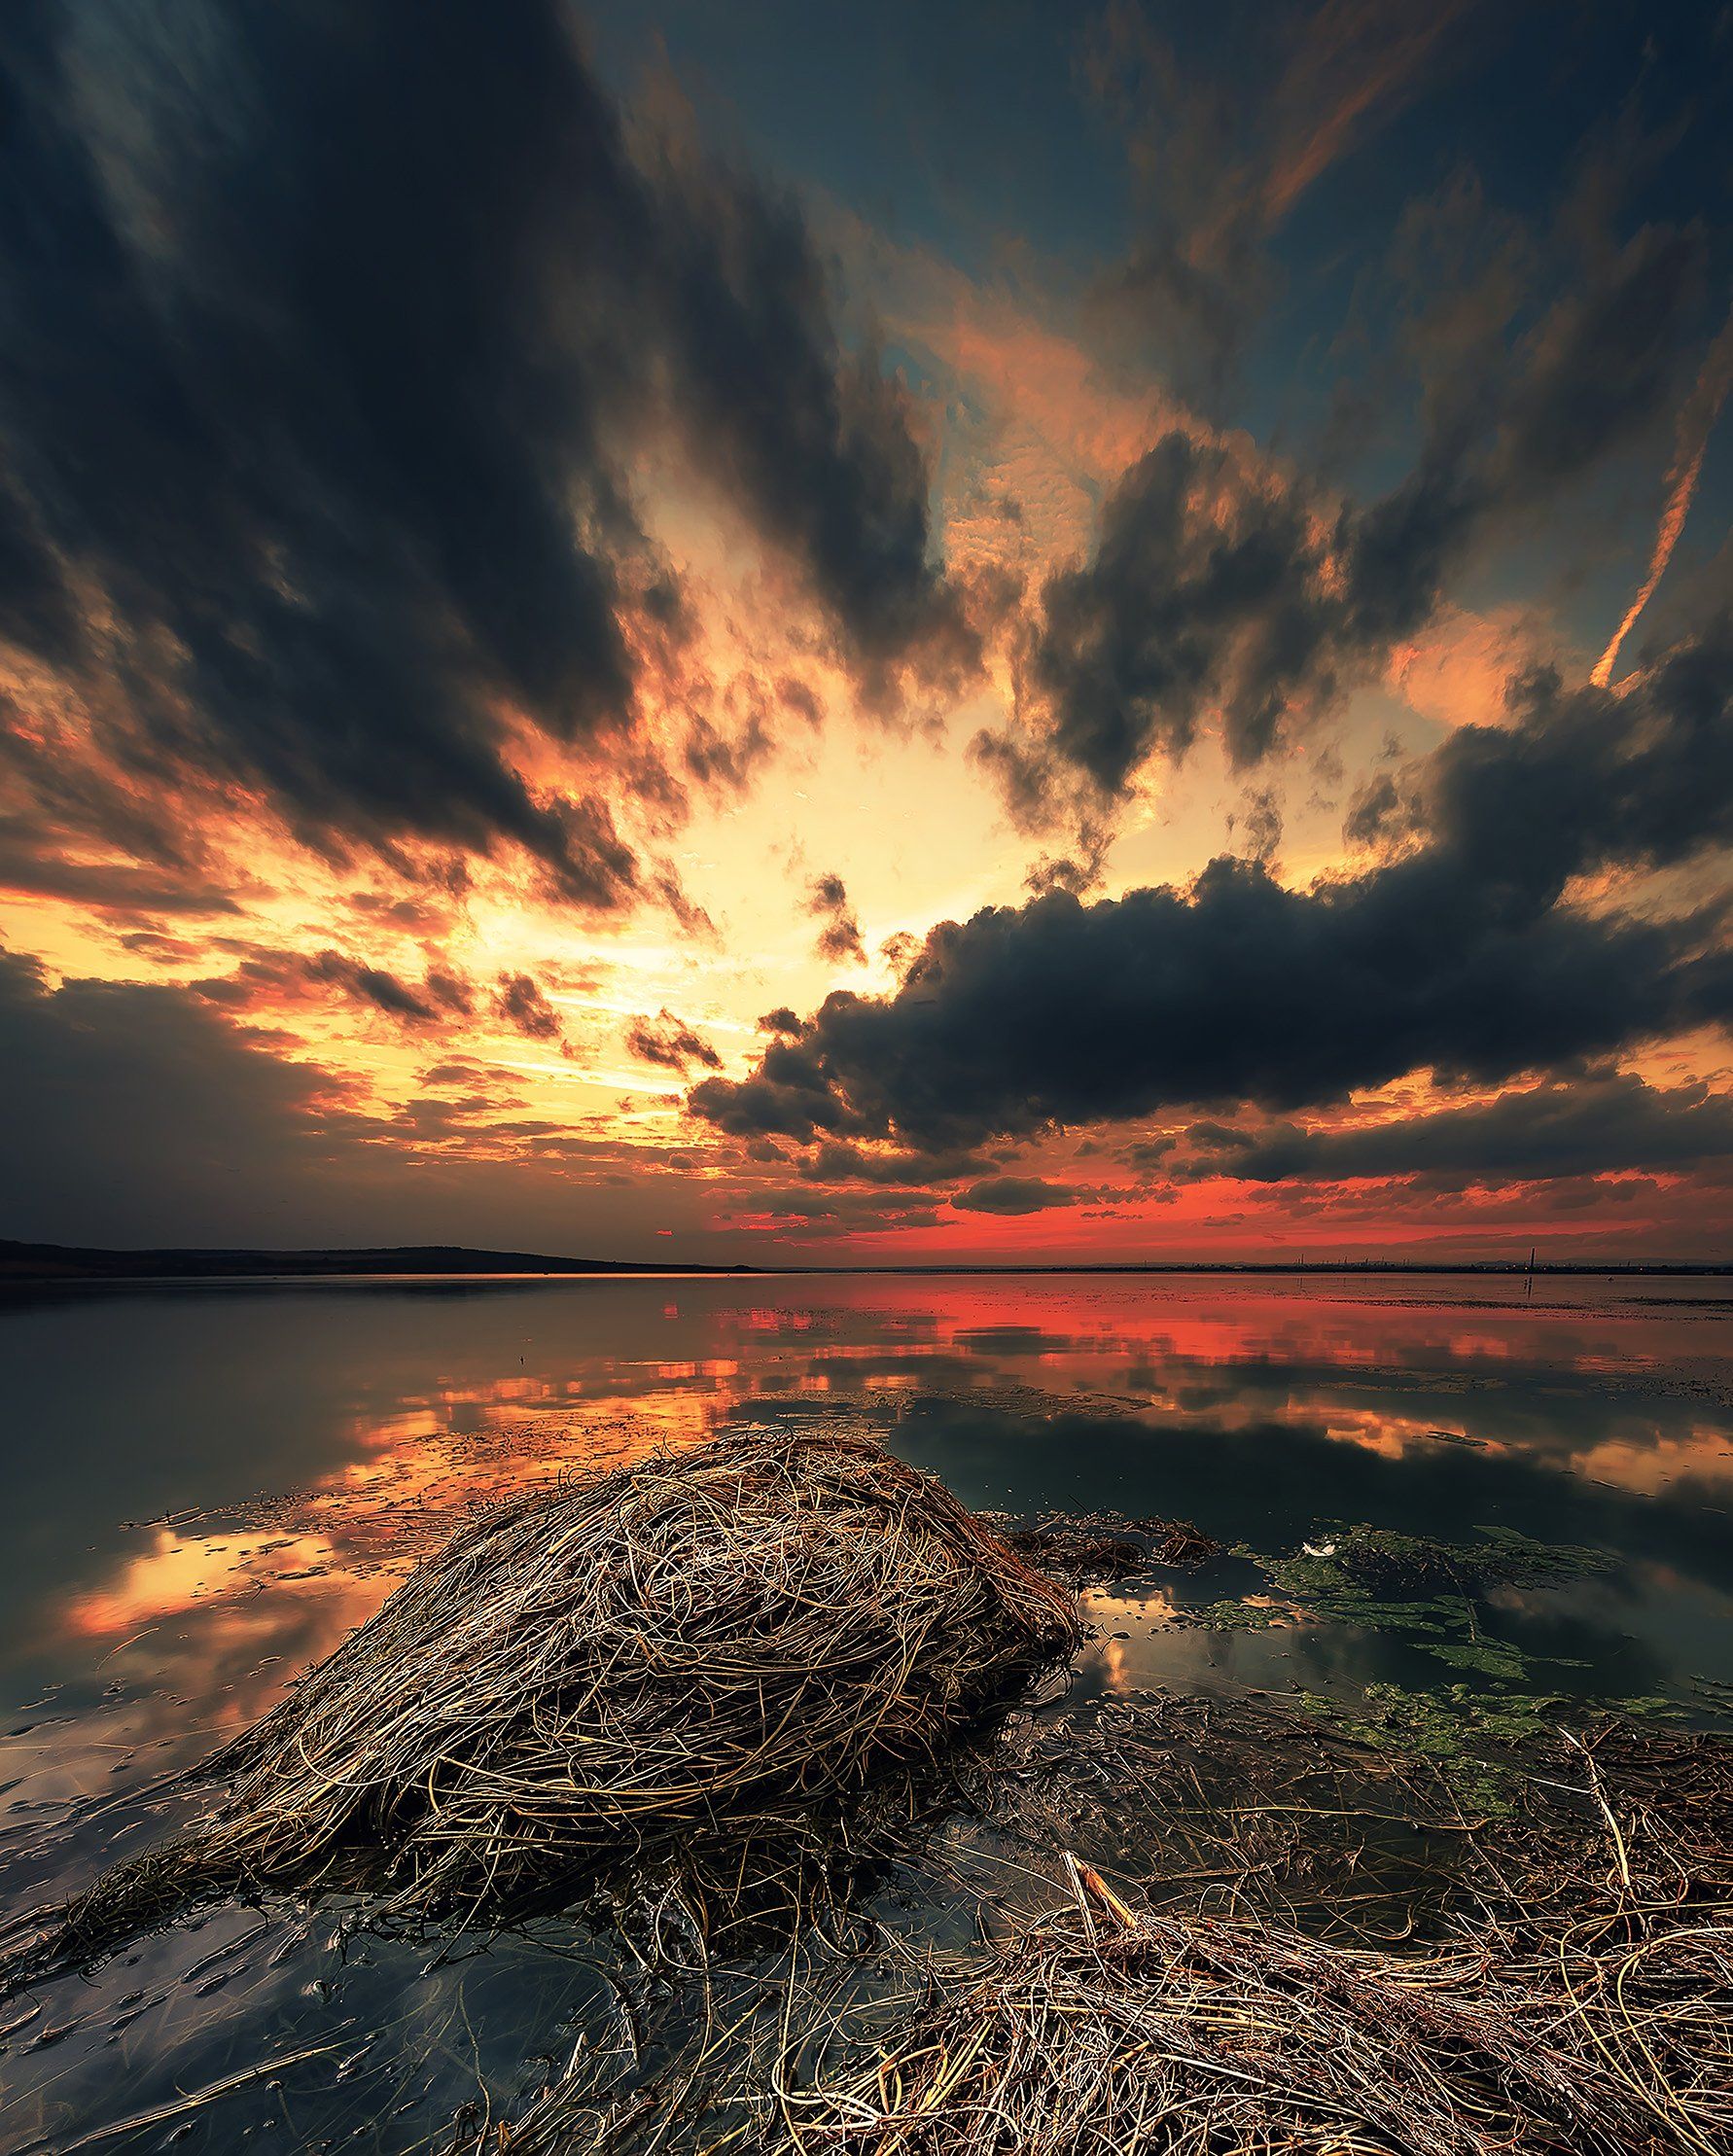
point(769, 633)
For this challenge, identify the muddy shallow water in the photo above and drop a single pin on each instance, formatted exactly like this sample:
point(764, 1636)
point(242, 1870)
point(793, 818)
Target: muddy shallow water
point(210, 1487)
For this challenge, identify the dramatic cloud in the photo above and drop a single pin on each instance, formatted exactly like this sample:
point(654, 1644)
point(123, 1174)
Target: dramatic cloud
point(671, 1043)
point(127, 1106)
point(839, 940)
point(461, 474)
point(269, 979)
point(1603, 1124)
point(33, 865)
point(519, 1001)
point(1460, 955)
point(126, 1111)
point(1013, 1195)
point(1222, 586)
point(1218, 165)
point(331, 341)
point(1582, 778)
point(839, 1163)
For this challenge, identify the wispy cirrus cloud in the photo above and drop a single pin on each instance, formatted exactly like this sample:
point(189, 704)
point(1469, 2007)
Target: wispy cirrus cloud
point(1697, 416)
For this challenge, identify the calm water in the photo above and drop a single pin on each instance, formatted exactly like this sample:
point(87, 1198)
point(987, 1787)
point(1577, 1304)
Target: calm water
point(207, 1489)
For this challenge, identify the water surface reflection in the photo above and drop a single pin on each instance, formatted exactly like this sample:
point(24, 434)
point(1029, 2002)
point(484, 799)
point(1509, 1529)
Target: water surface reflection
point(209, 1488)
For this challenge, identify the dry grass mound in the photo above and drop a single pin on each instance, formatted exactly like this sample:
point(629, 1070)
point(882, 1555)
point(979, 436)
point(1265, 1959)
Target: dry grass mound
point(1565, 1984)
point(1596, 2021)
point(678, 1662)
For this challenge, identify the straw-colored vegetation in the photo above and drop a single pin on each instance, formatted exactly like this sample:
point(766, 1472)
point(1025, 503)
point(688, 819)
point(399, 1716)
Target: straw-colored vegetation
point(1326, 1955)
point(694, 1667)
point(732, 1681)
point(1584, 2007)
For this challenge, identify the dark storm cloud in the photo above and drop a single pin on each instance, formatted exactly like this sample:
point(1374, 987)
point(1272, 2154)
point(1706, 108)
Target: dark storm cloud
point(1195, 577)
point(126, 1108)
point(329, 339)
point(1460, 955)
point(1222, 585)
point(133, 1115)
point(839, 940)
point(1062, 1012)
point(1011, 1195)
point(1602, 1124)
point(813, 437)
point(520, 1001)
point(1583, 777)
point(268, 979)
point(671, 1043)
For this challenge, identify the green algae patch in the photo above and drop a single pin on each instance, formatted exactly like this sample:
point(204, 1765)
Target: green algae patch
point(1377, 1562)
point(1413, 1584)
point(1480, 1743)
point(1240, 1617)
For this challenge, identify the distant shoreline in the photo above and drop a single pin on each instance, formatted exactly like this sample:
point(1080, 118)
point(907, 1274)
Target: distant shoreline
point(39, 1264)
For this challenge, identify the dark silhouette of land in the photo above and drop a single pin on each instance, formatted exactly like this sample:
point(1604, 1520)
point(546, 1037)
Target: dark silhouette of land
point(36, 1262)
point(41, 1261)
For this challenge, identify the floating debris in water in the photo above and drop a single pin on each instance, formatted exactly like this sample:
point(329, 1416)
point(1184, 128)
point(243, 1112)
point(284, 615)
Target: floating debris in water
point(1107, 1545)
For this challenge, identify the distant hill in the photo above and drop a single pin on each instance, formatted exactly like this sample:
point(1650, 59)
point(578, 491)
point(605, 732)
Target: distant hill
point(25, 1264)
point(39, 1261)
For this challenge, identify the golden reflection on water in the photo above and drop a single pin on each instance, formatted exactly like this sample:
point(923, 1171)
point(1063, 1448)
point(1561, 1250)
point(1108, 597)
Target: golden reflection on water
point(340, 1546)
point(1701, 1455)
point(379, 1420)
point(1393, 1377)
point(176, 1573)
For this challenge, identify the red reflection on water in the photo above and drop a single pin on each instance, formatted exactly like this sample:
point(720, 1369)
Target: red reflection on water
point(1390, 1367)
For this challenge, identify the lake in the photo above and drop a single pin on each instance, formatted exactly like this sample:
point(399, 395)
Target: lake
point(210, 1486)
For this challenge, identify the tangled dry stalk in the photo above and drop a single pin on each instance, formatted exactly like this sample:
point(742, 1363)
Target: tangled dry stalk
point(1565, 1986)
point(690, 1662)
point(1585, 2008)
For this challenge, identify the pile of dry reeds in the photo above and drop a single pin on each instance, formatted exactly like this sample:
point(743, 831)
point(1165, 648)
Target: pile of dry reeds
point(684, 1662)
point(1584, 2009)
